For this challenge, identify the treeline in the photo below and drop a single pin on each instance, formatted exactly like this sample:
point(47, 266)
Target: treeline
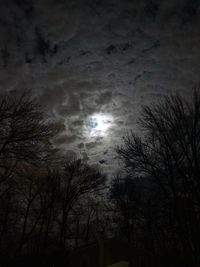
point(50, 205)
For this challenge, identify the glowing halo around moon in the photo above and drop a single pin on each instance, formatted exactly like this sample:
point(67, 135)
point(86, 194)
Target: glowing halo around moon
point(98, 124)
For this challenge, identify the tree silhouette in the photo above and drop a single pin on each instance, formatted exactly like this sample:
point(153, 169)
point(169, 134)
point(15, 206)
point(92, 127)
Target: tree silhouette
point(77, 180)
point(25, 135)
point(168, 153)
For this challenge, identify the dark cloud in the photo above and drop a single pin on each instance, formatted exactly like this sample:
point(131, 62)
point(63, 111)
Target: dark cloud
point(64, 139)
point(91, 145)
point(88, 57)
point(69, 107)
point(80, 146)
point(104, 98)
point(85, 156)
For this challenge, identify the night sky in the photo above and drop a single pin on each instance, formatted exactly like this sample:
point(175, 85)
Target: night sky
point(93, 64)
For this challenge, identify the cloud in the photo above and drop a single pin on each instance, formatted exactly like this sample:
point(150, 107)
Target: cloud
point(102, 161)
point(64, 139)
point(85, 156)
point(85, 57)
point(81, 145)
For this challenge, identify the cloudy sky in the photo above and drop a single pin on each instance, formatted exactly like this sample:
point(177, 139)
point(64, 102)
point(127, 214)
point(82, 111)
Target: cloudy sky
point(93, 63)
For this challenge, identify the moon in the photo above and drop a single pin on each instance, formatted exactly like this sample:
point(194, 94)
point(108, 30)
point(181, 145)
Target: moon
point(98, 124)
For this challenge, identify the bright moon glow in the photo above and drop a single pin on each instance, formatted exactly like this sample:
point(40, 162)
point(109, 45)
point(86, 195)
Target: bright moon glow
point(98, 124)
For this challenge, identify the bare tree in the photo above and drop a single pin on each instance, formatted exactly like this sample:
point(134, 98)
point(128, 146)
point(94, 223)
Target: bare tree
point(168, 153)
point(125, 197)
point(25, 147)
point(77, 180)
point(25, 135)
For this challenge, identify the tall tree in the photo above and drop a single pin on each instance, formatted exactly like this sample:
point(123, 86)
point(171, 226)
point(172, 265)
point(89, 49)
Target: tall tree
point(168, 152)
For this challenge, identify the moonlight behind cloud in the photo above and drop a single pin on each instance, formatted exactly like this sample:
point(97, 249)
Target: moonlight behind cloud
point(93, 64)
